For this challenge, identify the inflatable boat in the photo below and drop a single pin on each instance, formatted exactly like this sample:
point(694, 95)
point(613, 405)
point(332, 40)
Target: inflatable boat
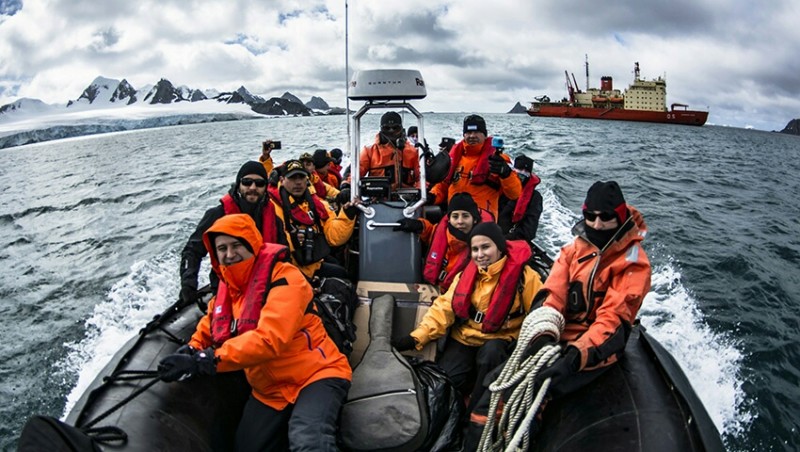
point(644, 403)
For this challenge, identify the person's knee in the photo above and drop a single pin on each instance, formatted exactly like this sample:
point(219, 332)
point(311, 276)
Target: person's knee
point(492, 353)
point(307, 434)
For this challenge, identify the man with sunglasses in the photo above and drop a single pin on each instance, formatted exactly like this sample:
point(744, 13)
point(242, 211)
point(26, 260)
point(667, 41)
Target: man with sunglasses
point(598, 284)
point(247, 195)
point(391, 154)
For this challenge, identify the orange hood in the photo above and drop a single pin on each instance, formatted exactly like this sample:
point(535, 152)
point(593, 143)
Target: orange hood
point(238, 225)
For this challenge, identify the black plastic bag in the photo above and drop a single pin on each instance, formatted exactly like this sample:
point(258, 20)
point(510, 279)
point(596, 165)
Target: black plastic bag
point(445, 407)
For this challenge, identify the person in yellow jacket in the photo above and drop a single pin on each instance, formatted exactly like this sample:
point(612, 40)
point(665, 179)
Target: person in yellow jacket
point(478, 169)
point(259, 321)
point(485, 306)
point(308, 225)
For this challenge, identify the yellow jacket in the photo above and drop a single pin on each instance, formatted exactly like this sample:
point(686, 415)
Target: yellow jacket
point(441, 316)
point(337, 230)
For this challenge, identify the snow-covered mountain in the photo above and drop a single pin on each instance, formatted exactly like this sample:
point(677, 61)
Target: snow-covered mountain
point(108, 105)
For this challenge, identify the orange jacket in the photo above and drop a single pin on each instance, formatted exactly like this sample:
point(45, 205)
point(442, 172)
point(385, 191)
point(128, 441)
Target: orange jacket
point(604, 289)
point(289, 348)
point(486, 195)
point(375, 159)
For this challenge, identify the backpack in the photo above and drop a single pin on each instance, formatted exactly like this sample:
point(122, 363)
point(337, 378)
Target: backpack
point(335, 306)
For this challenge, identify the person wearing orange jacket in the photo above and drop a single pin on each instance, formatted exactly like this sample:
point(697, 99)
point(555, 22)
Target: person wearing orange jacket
point(260, 322)
point(485, 305)
point(598, 284)
point(448, 253)
point(477, 168)
point(323, 167)
point(391, 154)
point(308, 225)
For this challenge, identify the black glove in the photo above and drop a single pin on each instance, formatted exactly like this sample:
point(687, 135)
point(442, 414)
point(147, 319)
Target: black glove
point(409, 225)
point(430, 198)
point(405, 343)
point(536, 344)
point(499, 166)
point(351, 212)
point(566, 365)
point(343, 197)
point(186, 349)
point(179, 367)
point(188, 293)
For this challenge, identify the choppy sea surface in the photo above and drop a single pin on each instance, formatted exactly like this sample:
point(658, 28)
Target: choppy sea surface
point(91, 230)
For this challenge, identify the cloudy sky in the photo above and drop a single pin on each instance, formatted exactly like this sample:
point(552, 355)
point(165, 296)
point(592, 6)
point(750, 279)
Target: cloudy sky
point(739, 59)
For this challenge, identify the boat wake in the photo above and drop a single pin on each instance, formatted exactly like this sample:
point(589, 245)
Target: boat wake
point(149, 288)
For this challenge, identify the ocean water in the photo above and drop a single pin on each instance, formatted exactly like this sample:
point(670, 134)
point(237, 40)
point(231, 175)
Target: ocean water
point(91, 231)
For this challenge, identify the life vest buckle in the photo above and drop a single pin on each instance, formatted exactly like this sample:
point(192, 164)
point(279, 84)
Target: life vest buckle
point(442, 275)
point(234, 326)
point(478, 318)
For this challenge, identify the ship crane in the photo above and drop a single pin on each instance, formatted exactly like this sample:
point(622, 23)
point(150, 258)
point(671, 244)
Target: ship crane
point(570, 88)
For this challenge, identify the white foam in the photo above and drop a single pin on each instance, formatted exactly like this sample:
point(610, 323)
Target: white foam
point(147, 290)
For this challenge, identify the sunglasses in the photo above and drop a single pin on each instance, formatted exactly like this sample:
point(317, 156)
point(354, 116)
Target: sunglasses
point(604, 216)
point(246, 181)
point(391, 129)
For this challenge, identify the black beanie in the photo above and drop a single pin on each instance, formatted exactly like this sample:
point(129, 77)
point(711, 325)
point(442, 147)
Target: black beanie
point(321, 158)
point(492, 230)
point(464, 201)
point(474, 123)
point(412, 130)
point(251, 167)
point(391, 119)
point(606, 197)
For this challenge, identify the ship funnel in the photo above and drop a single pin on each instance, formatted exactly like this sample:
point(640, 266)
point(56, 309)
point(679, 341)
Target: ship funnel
point(606, 83)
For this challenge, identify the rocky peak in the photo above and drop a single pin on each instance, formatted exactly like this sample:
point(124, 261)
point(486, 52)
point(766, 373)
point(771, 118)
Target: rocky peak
point(316, 103)
point(793, 127)
point(163, 93)
point(124, 91)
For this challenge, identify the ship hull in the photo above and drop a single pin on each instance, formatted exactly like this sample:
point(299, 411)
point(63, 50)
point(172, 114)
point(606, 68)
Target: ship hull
point(683, 117)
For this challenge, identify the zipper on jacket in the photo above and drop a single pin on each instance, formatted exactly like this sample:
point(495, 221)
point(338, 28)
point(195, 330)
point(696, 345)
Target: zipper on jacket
point(409, 391)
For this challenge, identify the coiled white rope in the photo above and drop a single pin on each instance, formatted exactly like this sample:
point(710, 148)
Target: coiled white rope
point(521, 406)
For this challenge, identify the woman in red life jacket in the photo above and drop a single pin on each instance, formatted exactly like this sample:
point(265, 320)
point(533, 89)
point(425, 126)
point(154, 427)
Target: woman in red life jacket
point(485, 306)
point(448, 253)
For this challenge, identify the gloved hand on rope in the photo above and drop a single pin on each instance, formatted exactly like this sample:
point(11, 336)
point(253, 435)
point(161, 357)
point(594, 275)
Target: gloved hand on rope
point(405, 343)
point(499, 166)
point(566, 365)
point(180, 367)
point(536, 344)
point(409, 225)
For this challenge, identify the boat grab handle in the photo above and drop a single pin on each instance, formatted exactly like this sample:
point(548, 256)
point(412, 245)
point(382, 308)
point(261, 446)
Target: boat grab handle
point(372, 224)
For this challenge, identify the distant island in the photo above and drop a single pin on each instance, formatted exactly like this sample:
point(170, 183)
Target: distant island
point(793, 128)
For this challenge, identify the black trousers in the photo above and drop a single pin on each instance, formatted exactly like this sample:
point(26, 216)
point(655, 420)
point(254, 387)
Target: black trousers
point(467, 366)
point(307, 425)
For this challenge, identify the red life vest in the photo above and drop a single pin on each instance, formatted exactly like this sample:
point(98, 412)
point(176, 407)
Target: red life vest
point(504, 292)
point(223, 324)
point(319, 186)
point(480, 173)
point(298, 214)
point(525, 198)
point(268, 230)
point(435, 263)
